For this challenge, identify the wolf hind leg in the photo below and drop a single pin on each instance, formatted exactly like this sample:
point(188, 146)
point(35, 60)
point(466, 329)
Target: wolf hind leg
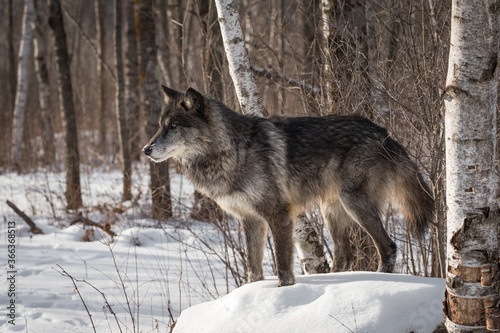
point(366, 212)
point(255, 230)
point(338, 223)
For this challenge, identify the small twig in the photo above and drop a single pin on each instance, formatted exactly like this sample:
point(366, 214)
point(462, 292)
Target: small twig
point(64, 273)
point(354, 315)
point(341, 323)
point(122, 283)
point(33, 228)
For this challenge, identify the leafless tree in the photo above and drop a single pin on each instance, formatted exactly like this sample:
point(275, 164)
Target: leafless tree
point(25, 52)
point(65, 89)
point(121, 116)
point(132, 93)
point(40, 54)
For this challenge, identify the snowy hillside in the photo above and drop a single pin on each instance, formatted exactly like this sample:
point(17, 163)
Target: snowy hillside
point(340, 302)
point(148, 274)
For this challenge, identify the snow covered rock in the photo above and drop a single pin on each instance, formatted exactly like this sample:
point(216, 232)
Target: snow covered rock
point(339, 302)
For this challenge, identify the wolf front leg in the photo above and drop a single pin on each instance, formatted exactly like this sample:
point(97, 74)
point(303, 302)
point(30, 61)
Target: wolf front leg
point(281, 226)
point(255, 230)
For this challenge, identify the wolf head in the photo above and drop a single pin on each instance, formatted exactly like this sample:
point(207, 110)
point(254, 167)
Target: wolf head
point(184, 128)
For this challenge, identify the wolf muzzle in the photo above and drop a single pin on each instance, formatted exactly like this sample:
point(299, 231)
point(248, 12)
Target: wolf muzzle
point(147, 150)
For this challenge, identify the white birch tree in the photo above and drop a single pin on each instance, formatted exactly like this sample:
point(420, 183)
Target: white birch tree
point(42, 75)
point(326, 8)
point(240, 70)
point(25, 50)
point(310, 250)
point(472, 217)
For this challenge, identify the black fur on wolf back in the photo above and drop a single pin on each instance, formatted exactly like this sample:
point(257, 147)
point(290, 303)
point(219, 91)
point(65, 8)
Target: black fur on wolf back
point(267, 171)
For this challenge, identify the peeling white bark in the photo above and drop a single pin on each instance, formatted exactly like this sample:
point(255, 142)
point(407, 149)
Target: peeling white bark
point(325, 21)
point(22, 82)
point(309, 247)
point(470, 129)
point(470, 122)
point(237, 56)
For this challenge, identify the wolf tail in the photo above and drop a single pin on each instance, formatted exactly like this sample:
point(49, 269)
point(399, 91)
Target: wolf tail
point(414, 195)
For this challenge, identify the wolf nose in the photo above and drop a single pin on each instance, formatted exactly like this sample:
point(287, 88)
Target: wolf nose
point(147, 150)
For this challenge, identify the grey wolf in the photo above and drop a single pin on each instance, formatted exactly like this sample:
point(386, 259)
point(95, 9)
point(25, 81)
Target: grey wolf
point(266, 172)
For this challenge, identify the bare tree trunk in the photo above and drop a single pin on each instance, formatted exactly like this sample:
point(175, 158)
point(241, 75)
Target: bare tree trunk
point(132, 94)
point(152, 100)
point(12, 56)
point(49, 154)
point(470, 123)
point(65, 88)
point(312, 54)
point(101, 96)
point(310, 250)
point(374, 83)
point(326, 10)
point(237, 56)
point(25, 50)
point(120, 105)
point(163, 41)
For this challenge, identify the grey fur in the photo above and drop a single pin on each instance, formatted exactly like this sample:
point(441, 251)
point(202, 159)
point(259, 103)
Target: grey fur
point(267, 171)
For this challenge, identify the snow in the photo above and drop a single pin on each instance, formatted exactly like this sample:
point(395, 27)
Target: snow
point(336, 302)
point(150, 273)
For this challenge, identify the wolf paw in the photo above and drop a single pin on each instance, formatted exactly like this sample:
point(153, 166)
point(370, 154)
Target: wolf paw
point(286, 279)
point(255, 277)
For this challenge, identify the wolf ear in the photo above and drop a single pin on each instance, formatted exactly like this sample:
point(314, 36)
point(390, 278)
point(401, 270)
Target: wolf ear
point(170, 94)
point(193, 100)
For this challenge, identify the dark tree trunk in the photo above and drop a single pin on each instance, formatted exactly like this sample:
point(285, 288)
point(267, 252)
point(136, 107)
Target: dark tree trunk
point(120, 104)
point(101, 96)
point(132, 93)
point(65, 89)
point(152, 101)
point(12, 56)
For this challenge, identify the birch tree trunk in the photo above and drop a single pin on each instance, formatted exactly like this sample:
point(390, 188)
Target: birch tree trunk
point(25, 50)
point(120, 104)
point(311, 252)
point(241, 73)
point(42, 75)
point(65, 89)
point(326, 9)
point(152, 101)
point(470, 124)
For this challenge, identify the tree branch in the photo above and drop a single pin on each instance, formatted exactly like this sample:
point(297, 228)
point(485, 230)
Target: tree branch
point(33, 228)
point(273, 75)
point(86, 221)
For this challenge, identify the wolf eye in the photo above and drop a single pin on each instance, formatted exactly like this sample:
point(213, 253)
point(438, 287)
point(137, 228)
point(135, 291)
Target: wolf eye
point(173, 125)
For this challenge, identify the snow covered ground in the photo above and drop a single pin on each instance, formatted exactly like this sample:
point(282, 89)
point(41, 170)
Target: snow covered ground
point(147, 275)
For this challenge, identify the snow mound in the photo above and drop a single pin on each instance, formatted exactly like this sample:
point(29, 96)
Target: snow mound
point(337, 302)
